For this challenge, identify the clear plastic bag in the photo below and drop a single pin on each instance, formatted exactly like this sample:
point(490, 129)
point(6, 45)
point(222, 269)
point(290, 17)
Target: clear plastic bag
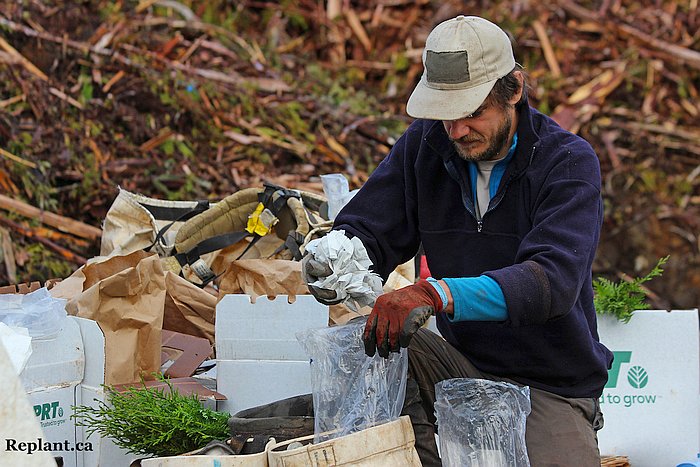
point(351, 391)
point(482, 422)
point(40, 313)
point(337, 190)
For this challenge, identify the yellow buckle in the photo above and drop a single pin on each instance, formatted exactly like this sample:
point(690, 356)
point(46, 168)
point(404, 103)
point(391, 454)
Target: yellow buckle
point(261, 221)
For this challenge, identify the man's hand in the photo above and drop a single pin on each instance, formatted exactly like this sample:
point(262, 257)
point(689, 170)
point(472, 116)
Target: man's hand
point(312, 271)
point(397, 315)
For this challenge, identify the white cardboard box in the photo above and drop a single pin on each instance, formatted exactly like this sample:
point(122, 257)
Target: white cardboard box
point(63, 372)
point(104, 452)
point(259, 359)
point(51, 378)
point(650, 404)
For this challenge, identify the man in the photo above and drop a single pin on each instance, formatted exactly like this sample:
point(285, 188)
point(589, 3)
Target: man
point(507, 207)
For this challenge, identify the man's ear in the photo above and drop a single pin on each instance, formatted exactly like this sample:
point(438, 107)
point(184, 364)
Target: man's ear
point(521, 80)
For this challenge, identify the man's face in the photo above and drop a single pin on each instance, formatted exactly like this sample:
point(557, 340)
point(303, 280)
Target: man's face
point(484, 135)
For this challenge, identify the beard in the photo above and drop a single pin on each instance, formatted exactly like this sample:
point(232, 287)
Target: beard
point(496, 143)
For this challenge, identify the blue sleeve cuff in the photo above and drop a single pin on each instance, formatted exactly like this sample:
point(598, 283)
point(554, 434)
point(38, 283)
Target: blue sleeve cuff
point(438, 288)
point(477, 299)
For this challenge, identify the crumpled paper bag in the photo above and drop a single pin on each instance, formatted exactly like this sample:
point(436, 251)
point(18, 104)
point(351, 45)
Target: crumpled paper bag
point(268, 277)
point(125, 295)
point(188, 308)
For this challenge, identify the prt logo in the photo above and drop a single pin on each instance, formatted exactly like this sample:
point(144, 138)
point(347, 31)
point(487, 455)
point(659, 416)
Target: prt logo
point(48, 410)
point(637, 376)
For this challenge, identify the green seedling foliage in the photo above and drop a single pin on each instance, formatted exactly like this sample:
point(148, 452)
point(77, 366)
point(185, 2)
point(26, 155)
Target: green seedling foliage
point(153, 421)
point(621, 299)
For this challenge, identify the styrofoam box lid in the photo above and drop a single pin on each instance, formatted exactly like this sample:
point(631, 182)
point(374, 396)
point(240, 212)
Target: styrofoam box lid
point(249, 383)
point(265, 329)
point(59, 361)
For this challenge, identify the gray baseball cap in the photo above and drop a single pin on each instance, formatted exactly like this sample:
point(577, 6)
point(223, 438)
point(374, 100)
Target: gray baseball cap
point(462, 59)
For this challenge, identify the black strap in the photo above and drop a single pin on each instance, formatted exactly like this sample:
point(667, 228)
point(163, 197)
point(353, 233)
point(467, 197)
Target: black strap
point(174, 213)
point(207, 246)
point(250, 245)
point(211, 244)
point(163, 213)
point(292, 243)
point(275, 205)
point(213, 277)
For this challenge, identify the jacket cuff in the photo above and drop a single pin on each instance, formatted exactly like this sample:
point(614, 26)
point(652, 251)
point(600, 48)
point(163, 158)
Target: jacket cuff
point(527, 292)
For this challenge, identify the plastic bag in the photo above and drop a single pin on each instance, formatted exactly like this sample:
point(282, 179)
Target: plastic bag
point(351, 391)
point(482, 422)
point(40, 313)
point(337, 190)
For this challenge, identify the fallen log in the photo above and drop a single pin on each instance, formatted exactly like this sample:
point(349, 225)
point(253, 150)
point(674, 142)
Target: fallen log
point(65, 253)
point(56, 221)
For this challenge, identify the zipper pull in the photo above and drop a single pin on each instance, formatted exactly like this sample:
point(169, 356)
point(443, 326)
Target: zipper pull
point(479, 226)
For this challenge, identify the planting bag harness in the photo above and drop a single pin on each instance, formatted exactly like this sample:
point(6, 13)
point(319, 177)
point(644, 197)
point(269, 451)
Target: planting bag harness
point(294, 216)
point(180, 232)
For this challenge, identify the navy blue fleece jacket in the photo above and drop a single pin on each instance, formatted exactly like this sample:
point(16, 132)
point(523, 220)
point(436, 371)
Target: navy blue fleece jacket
point(537, 240)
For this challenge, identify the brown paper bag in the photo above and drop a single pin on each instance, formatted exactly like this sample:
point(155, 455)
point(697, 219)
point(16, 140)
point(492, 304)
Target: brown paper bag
point(188, 308)
point(257, 277)
point(125, 295)
point(269, 277)
point(265, 248)
point(70, 287)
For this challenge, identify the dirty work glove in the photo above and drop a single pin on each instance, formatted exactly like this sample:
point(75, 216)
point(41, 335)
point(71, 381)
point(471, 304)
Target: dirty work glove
point(312, 270)
point(397, 315)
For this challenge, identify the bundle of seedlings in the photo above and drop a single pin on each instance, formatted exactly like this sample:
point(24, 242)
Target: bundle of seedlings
point(621, 299)
point(153, 421)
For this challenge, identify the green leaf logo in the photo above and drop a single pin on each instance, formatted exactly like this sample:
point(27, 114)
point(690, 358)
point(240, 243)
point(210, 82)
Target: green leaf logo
point(637, 377)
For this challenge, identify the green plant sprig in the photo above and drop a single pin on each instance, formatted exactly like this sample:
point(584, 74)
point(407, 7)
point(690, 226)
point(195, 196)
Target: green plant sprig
point(153, 421)
point(621, 299)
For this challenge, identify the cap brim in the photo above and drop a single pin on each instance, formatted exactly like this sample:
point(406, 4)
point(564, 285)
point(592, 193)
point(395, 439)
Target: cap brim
point(446, 104)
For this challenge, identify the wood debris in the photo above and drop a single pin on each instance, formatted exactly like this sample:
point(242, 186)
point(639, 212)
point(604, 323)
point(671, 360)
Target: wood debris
point(192, 100)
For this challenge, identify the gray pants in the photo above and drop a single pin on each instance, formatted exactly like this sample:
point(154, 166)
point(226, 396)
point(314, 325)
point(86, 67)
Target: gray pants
point(559, 431)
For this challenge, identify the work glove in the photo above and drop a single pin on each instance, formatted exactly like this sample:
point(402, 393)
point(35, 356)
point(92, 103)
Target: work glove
point(312, 271)
point(397, 316)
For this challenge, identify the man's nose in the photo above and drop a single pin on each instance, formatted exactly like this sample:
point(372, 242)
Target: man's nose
point(457, 129)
